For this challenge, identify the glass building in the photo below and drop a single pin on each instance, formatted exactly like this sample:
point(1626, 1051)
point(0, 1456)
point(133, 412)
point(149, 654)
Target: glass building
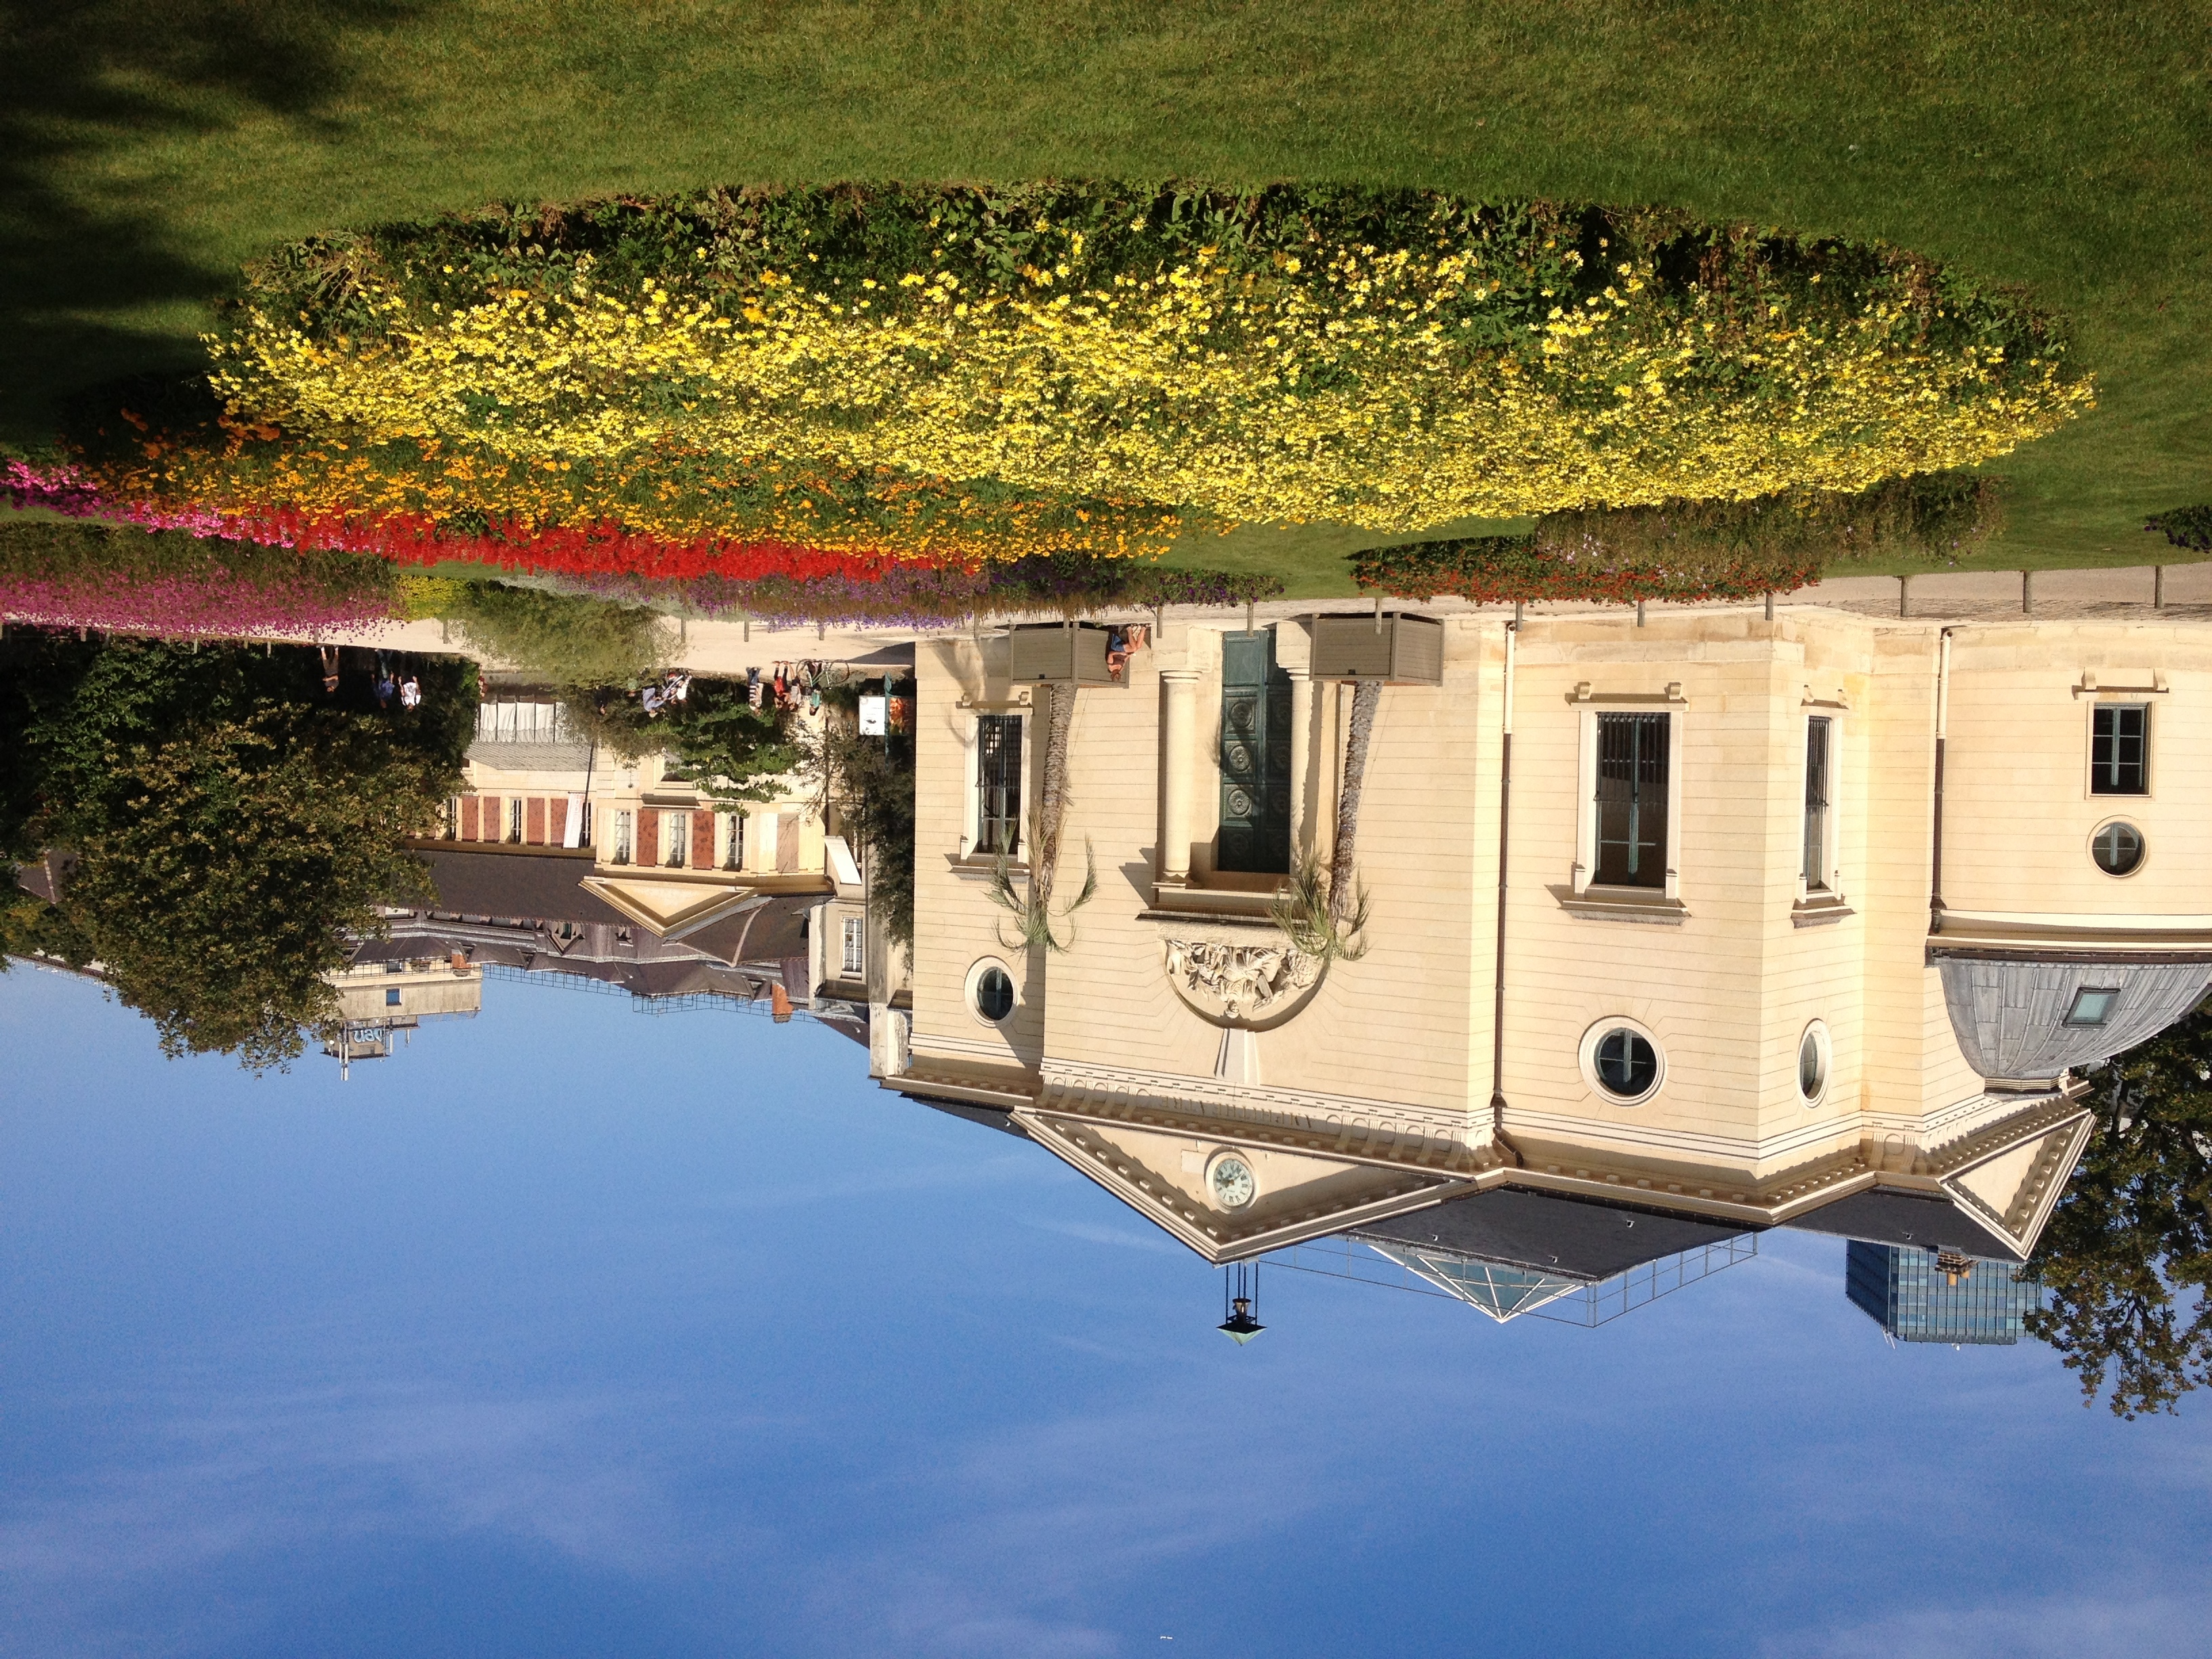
point(1920, 1295)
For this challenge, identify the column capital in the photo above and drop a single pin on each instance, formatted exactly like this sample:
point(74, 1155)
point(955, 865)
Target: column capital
point(1182, 676)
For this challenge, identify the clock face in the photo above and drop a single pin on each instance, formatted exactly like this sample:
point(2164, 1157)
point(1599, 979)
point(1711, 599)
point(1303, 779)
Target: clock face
point(1230, 1180)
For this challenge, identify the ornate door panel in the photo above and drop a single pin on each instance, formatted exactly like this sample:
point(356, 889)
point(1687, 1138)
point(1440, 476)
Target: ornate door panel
point(1255, 757)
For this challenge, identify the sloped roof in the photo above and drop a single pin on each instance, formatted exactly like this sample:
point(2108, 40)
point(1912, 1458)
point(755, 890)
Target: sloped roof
point(1502, 1292)
point(1567, 1237)
point(2009, 1013)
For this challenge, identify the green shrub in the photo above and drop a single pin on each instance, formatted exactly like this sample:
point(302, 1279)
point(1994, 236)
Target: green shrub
point(1685, 551)
point(566, 639)
point(2186, 526)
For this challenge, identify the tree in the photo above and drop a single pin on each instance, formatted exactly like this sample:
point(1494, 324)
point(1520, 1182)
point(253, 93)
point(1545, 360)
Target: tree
point(2130, 1246)
point(736, 752)
point(1322, 909)
point(1032, 910)
point(570, 640)
point(233, 828)
point(869, 780)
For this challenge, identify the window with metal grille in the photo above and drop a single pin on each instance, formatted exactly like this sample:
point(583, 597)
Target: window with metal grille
point(999, 784)
point(1632, 800)
point(1816, 804)
point(2119, 749)
point(856, 948)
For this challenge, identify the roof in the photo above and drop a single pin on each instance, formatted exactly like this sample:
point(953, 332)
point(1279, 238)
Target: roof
point(2009, 1013)
point(1568, 1238)
point(1884, 1216)
point(544, 885)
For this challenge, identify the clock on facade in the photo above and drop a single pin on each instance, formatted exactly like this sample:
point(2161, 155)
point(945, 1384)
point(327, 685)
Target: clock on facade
point(1230, 1180)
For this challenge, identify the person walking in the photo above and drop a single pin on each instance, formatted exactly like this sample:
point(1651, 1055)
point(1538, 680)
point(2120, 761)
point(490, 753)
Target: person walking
point(329, 670)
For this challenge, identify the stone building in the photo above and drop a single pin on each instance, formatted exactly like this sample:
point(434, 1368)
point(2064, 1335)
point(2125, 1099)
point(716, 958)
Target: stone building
point(1809, 920)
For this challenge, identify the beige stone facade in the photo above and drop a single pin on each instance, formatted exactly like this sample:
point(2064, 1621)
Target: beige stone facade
point(1176, 1029)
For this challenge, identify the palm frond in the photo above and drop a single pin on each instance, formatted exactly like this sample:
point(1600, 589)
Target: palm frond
point(1305, 912)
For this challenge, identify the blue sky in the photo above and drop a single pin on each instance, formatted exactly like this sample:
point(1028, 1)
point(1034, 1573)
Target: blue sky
point(573, 1331)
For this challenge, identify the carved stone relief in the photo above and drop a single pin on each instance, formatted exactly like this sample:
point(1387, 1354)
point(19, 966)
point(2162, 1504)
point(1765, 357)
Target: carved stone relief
point(1239, 984)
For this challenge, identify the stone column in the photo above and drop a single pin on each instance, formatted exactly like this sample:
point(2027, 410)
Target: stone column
point(1301, 760)
point(1179, 757)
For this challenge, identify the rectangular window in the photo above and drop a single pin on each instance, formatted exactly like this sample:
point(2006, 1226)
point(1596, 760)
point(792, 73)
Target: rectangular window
point(623, 848)
point(675, 837)
point(999, 784)
point(1816, 804)
point(514, 818)
point(2119, 749)
point(856, 947)
point(2093, 1005)
point(1632, 800)
point(392, 997)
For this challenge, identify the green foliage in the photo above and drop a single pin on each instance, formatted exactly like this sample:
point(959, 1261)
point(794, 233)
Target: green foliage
point(1031, 904)
point(1689, 550)
point(1302, 909)
point(2129, 1247)
point(232, 824)
point(713, 734)
point(871, 782)
point(2186, 526)
point(567, 640)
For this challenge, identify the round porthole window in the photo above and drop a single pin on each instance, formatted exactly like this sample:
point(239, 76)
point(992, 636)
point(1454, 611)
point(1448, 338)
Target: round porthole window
point(1622, 1061)
point(1230, 1182)
point(1812, 1063)
point(991, 991)
point(2117, 848)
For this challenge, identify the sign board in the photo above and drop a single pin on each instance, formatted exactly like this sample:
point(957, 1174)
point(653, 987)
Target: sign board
point(874, 717)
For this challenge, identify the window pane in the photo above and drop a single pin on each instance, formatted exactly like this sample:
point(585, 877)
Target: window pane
point(1632, 800)
point(999, 784)
point(1816, 804)
point(855, 959)
point(1625, 1063)
point(2093, 1005)
point(2119, 749)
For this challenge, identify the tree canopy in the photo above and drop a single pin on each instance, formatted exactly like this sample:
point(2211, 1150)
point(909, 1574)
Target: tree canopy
point(2127, 1256)
point(231, 824)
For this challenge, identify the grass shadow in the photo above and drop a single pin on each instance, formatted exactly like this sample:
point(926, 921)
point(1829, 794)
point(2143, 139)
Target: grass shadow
point(86, 86)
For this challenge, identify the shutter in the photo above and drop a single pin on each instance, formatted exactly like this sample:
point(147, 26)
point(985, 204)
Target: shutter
point(702, 839)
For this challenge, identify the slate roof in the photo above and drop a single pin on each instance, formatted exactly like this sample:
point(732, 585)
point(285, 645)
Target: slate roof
point(2009, 1013)
point(1884, 1216)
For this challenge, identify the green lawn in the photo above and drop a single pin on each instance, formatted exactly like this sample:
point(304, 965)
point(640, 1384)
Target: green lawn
point(147, 148)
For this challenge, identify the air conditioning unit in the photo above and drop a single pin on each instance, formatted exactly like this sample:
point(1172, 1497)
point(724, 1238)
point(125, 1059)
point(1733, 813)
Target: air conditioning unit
point(1394, 648)
point(1058, 655)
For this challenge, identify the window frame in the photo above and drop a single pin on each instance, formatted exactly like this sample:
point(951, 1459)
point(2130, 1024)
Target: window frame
point(853, 945)
point(971, 839)
point(1586, 812)
point(675, 839)
point(622, 848)
point(2114, 707)
point(1830, 884)
point(1587, 1058)
point(2111, 996)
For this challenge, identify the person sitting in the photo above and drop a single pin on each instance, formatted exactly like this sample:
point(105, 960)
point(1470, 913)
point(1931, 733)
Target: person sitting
point(329, 670)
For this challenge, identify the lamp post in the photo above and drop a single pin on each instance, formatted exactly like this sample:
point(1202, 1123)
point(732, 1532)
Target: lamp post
point(1240, 1302)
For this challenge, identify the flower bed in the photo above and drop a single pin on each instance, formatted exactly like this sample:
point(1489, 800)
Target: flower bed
point(80, 576)
point(1387, 359)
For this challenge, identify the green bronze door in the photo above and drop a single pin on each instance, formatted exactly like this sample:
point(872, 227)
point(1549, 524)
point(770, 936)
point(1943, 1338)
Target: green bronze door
point(1255, 757)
